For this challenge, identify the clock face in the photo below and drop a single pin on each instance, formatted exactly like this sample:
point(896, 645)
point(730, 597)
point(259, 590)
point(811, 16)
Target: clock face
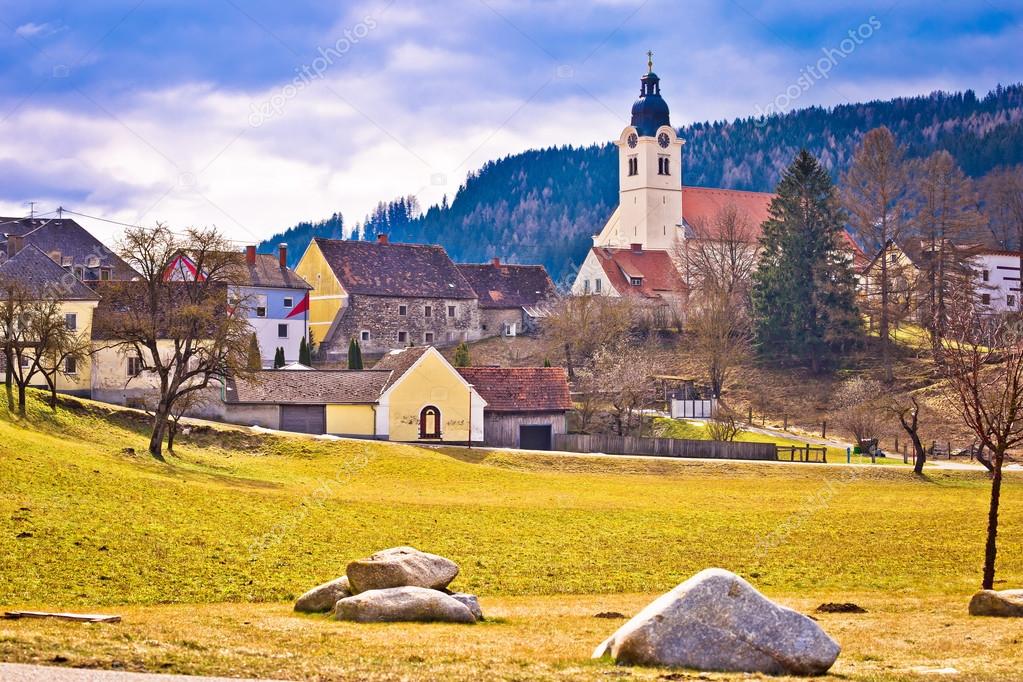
point(663, 140)
point(633, 140)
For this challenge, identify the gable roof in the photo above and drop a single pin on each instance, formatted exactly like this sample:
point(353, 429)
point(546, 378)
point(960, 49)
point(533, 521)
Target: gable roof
point(67, 237)
point(265, 272)
point(660, 277)
point(37, 272)
point(399, 362)
point(398, 270)
point(313, 387)
point(520, 389)
point(701, 205)
point(848, 244)
point(508, 286)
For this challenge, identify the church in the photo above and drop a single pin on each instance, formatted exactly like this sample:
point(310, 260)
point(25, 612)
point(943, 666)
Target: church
point(640, 252)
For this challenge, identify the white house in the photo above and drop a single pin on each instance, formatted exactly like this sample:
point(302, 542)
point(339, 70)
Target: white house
point(997, 279)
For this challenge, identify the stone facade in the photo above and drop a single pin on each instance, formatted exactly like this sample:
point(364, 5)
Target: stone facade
point(381, 318)
point(493, 321)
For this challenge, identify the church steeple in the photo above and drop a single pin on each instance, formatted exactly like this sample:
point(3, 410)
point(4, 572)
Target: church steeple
point(650, 111)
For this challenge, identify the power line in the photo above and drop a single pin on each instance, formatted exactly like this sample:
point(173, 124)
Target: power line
point(138, 227)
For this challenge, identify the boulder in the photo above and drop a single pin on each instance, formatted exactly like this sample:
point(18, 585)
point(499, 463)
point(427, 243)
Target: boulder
point(401, 567)
point(401, 604)
point(718, 621)
point(1004, 603)
point(322, 598)
point(470, 601)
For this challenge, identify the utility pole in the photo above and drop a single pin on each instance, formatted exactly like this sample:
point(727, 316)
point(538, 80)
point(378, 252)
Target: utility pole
point(31, 209)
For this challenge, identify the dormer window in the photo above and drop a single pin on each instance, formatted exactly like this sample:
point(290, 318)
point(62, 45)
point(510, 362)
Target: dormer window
point(636, 281)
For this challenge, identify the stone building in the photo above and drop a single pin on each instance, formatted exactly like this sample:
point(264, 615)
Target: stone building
point(388, 296)
point(511, 297)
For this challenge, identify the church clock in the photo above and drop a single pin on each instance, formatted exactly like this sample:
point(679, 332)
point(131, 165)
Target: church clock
point(663, 140)
point(633, 140)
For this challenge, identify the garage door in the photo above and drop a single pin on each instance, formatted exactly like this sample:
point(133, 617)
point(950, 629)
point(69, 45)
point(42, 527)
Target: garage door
point(535, 437)
point(304, 418)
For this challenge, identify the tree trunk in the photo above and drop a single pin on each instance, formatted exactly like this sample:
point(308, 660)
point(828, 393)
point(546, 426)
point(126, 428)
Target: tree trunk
point(568, 361)
point(172, 430)
point(9, 379)
point(159, 429)
point(883, 332)
point(21, 400)
point(991, 548)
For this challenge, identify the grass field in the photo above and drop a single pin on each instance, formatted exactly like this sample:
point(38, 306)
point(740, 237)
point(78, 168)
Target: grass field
point(238, 523)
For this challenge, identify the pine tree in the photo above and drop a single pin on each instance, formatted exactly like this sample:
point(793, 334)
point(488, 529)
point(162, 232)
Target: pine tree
point(304, 355)
point(462, 358)
point(546, 362)
point(279, 360)
point(354, 354)
point(255, 361)
point(803, 294)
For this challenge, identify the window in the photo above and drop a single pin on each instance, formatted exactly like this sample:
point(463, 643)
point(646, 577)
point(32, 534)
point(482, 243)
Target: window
point(597, 284)
point(260, 306)
point(633, 166)
point(403, 310)
point(428, 311)
point(985, 299)
point(893, 258)
point(80, 272)
point(451, 311)
point(104, 274)
point(289, 302)
point(429, 422)
point(364, 335)
point(985, 275)
point(70, 366)
point(662, 166)
point(23, 362)
point(71, 319)
point(402, 337)
point(636, 281)
point(428, 337)
point(1010, 301)
point(586, 286)
point(282, 331)
point(134, 366)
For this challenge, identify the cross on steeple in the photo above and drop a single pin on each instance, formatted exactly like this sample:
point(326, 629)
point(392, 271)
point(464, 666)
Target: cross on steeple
point(650, 61)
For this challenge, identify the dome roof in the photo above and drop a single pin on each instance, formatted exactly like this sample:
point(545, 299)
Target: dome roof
point(650, 111)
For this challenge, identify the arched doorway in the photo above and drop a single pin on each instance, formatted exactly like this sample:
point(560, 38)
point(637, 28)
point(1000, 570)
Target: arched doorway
point(429, 422)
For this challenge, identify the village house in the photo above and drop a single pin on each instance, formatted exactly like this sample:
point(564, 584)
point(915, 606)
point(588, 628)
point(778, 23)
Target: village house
point(997, 279)
point(275, 299)
point(410, 395)
point(526, 406)
point(512, 298)
point(68, 244)
point(40, 276)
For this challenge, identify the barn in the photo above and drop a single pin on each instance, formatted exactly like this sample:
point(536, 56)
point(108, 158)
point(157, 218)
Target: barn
point(526, 406)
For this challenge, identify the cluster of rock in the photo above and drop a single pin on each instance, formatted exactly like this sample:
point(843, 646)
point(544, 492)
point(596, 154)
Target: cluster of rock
point(718, 621)
point(1001, 603)
point(400, 584)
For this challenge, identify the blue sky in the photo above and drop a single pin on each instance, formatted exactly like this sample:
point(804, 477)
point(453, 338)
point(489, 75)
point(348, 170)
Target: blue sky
point(255, 115)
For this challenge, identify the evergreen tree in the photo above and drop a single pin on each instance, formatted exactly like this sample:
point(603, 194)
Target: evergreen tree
point(462, 358)
point(354, 354)
point(304, 355)
point(803, 292)
point(546, 362)
point(255, 361)
point(279, 360)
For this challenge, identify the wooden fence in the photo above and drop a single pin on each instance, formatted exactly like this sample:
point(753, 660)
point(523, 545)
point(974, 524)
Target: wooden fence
point(663, 447)
point(803, 453)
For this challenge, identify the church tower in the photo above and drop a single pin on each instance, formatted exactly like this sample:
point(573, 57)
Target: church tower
point(650, 175)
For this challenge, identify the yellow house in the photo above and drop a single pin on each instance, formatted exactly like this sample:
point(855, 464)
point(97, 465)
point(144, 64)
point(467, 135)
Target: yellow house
point(40, 275)
point(411, 395)
point(328, 297)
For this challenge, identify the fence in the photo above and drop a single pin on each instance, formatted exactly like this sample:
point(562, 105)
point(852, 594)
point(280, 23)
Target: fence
point(693, 409)
point(803, 453)
point(663, 447)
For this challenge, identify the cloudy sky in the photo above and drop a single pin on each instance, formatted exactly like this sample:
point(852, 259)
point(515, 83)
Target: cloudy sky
point(254, 115)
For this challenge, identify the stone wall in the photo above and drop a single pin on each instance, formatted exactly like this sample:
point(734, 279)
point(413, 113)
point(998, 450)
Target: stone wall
point(494, 319)
point(381, 317)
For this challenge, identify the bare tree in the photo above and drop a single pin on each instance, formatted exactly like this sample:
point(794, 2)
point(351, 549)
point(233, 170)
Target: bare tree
point(721, 255)
point(188, 334)
point(590, 395)
point(721, 336)
point(874, 192)
point(859, 413)
point(21, 357)
point(579, 325)
point(724, 426)
point(944, 214)
point(982, 363)
point(626, 370)
point(908, 411)
point(1002, 194)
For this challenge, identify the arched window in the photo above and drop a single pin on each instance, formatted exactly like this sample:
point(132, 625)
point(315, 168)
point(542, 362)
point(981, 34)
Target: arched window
point(429, 422)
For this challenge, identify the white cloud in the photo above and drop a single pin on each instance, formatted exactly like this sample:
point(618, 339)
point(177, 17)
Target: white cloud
point(33, 30)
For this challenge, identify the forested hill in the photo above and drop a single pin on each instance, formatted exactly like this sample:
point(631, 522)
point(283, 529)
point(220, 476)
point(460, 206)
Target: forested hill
point(542, 206)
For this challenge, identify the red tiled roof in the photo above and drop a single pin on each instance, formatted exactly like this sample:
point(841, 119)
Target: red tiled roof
point(847, 243)
point(509, 286)
point(520, 389)
point(701, 205)
point(659, 275)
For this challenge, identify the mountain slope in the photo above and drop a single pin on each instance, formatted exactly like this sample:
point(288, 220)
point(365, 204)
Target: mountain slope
point(542, 206)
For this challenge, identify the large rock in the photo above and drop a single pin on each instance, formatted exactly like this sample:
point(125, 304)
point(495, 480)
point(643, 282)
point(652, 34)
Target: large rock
point(471, 601)
point(401, 567)
point(322, 598)
point(1006, 603)
point(398, 604)
point(718, 621)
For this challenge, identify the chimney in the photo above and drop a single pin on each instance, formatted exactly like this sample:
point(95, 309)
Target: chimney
point(496, 262)
point(637, 248)
point(381, 239)
point(250, 254)
point(15, 244)
point(282, 254)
